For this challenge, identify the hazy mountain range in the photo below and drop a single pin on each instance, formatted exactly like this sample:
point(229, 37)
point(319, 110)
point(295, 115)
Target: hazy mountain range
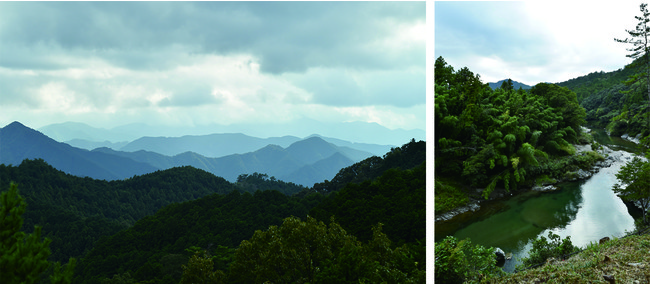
point(303, 161)
point(18, 142)
point(515, 85)
point(360, 132)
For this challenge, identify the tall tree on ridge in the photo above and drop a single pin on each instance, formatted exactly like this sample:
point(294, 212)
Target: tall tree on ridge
point(641, 46)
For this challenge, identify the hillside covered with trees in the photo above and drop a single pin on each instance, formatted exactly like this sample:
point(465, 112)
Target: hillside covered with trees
point(156, 227)
point(615, 100)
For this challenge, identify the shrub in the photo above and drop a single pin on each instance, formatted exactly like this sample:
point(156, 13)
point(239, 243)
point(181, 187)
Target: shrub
point(459, 261)
point(543, 249)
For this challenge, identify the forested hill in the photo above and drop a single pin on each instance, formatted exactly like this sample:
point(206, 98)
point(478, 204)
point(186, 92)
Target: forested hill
point(75, 212)
point(508, 138)
point(592, 83)
point(154, 249)
point(614, 100)
point(147, 248)
point(408, 156)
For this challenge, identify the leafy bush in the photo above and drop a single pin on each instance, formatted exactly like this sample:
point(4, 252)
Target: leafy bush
point(543, 249)
point(459, 261)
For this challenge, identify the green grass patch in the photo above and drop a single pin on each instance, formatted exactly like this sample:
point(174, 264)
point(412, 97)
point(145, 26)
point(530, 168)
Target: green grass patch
point(448, 195)
point(624, 259)
point(544, 180)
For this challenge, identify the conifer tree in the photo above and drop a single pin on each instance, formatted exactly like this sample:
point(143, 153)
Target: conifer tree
point(23, 257)
point(640, 41)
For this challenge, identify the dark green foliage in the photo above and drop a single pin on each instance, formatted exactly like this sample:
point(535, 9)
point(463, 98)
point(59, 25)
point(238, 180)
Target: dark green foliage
point(448, 196)
point(635, 183)
point(408, 156)
point(219, 220)
point(588, 85)
point(611, 102)
point(459, 261)
point(200, 269)
point(23, 257)
point(312, 252)
point(257, 181)
point(396, 199)
point(543, 249)
point(488, 138)
point(75, 212)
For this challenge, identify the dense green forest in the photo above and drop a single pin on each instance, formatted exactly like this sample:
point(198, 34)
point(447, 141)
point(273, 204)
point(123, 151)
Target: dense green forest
point(75, 212)
point(215, 220)
point(146, 228)
point(502, 138)
point(614, 100)
point(408, 156)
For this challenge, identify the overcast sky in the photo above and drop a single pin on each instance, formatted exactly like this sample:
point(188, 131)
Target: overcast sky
point(185, 63)
point(534, 41)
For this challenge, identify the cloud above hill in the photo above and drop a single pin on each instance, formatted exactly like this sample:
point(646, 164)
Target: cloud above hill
point(110, 63)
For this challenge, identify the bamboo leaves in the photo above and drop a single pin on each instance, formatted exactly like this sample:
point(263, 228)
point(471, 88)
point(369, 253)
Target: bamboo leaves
point(508, 130)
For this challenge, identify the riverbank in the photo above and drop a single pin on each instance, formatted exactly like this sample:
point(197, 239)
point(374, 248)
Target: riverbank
point(582, 165)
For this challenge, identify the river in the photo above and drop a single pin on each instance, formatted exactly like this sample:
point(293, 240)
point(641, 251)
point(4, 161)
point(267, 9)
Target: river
point(586, 210)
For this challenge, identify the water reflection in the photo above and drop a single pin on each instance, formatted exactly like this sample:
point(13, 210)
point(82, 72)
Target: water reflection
point(586, 211)
point(528, 216)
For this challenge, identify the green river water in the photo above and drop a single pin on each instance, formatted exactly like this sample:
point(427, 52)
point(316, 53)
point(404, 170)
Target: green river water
point(586, 210)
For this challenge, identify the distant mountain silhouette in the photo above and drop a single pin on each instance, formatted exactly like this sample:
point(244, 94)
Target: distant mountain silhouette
point(361, 132)
point(320, 171)
point(212, 145)
point(314, 157)
point(515, 85)
point(18, 142)
point(89, 145)
point(304, 162)
point(125, 138)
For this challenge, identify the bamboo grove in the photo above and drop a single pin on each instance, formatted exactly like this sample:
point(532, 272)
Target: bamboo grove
point(487, 138)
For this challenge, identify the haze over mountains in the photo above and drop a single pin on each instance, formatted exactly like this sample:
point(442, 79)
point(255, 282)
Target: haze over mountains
point(302, 161)
point(360, 132)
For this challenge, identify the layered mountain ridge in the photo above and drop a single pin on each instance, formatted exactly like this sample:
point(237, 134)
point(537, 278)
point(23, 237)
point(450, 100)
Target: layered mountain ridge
point(304, 162)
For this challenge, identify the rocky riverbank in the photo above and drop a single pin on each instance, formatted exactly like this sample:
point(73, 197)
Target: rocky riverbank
point(474, 204)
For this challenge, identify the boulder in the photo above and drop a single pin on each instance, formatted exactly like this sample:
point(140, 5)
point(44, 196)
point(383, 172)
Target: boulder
point(500, 255)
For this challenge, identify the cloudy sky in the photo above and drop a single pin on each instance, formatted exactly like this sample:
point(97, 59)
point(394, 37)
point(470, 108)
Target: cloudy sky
point(187, 63)
point(534, 41)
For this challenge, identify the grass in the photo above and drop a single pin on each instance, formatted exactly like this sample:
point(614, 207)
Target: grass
point(626, 260)
point(448, 195)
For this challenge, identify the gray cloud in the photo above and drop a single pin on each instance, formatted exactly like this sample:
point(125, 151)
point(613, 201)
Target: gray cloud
point(286, 36)
point(213, 62)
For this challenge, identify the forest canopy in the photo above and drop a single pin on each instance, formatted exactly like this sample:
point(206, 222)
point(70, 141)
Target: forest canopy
point(503, 137)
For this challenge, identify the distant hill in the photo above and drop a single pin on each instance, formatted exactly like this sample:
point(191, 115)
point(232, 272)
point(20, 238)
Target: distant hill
point(311, 156)
point(359, 132)
point(90, 145)
point(515, 85)
point(212, 145)
point(18, 142)
point(274, 160)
